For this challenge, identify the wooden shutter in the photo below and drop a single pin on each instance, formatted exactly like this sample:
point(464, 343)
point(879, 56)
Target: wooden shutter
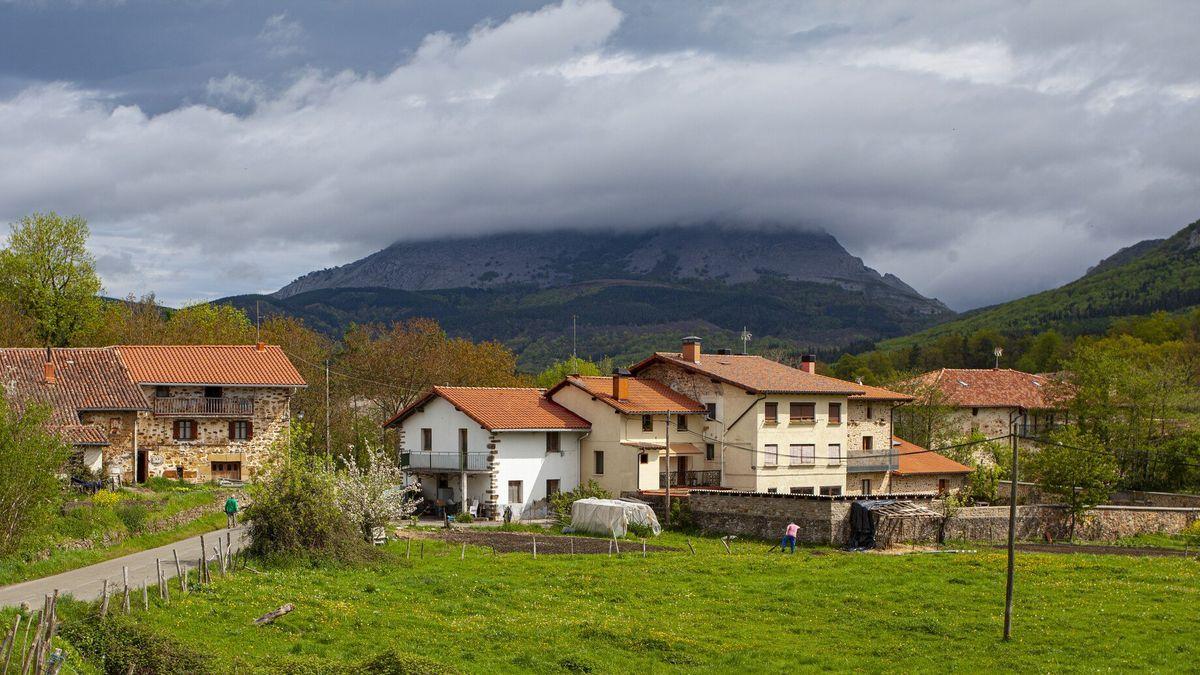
point(249, 430)
point(175, 430)
point(233, 431)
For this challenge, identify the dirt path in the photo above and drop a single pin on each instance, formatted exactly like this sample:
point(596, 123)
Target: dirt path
point(522, 542)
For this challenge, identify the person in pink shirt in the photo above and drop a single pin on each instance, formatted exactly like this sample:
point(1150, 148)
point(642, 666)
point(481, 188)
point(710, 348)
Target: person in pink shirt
point(789, 537)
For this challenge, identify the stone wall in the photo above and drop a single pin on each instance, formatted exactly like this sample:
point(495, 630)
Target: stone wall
point(822, 520)
point(1139, 498)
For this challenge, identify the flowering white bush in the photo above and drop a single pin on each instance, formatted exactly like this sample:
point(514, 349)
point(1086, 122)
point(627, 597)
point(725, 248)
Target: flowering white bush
point(373, 494)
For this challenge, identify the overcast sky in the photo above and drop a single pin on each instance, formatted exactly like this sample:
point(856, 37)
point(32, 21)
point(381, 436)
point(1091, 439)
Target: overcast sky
point(978, 150)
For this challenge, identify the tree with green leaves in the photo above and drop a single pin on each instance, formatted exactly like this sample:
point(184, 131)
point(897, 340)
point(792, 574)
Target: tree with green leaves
point(31, 457)
point(574, 365)
point(48, 274)
point(1075, 466)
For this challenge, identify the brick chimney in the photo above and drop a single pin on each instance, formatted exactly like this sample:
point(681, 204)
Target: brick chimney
point(691, 349)
point(260, 347)
point(48, 368)
point(808, 363)
point(620, 379)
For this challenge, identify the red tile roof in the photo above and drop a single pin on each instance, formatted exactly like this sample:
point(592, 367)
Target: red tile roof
point(213, 365)
point(645, 396)
point(501, 408)
point(880, 394)
point(917, 461)
point(996, 388)
point(83, 434)
point(756, 374)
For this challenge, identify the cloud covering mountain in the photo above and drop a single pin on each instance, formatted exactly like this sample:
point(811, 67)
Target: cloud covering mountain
point(978, 150)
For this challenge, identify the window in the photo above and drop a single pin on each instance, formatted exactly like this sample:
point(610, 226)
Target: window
point(553, 442)
point(803, 454)
point(943, 486)
point(185, 430)
point(162, 392)
point(643, 458)
point(599, 457)
point(515, 493)
point(835, 453)
point(831, 490)
point(462, 440)
point(772, 413)
point(710, 411)
point(682, 423)
point(772, 491)
point(869, 415)
point(771, 453)
point(213, 392)
point(427, 440)
point(974, 412)
point(230, 470)
point(866, 486)
point(241, 430)
point(803, 412)
point(801, 490)
point(710, 451)
point(868, 443)
point(647, 422)
point(553, 487)
point(835, 413)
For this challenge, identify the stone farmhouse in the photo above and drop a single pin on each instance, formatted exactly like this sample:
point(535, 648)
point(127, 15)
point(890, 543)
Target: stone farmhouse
point(485, 449)
point(196, 412)
point(988, 399)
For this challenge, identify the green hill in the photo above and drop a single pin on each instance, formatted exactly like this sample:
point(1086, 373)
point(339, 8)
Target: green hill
point(1144, 278)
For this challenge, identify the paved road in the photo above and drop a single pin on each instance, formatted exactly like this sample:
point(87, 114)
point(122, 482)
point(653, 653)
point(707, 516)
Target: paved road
point(87, 583)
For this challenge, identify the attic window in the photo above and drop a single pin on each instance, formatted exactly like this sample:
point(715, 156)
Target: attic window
point(1036, 383)
point(963, 383)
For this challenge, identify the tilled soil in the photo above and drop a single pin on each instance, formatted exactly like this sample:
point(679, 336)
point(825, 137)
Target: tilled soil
point(522, 542)
point(1108, 550)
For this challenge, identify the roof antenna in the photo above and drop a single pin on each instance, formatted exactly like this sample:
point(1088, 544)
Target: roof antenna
point(257, 323)
point(573, 356)
point(745, 339)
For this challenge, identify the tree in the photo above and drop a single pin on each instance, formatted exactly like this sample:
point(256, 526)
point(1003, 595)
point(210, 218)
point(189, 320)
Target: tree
point(559, 370)
point(31, 457)
point(372, 494)
point(1075, 466)
point(928, 420)
point(49, 275)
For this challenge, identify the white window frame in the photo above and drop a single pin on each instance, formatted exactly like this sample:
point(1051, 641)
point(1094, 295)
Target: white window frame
point(798, 456)
point(771, 454)
point(835, 454)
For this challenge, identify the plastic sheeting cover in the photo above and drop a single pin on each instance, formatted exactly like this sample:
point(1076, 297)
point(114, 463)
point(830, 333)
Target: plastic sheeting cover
point(611, 517)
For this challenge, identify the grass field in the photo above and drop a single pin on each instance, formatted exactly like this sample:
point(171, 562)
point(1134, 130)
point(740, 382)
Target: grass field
point(749, 611)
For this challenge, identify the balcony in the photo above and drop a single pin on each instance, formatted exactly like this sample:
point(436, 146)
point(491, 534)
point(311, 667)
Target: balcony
point(203, 407)
point(691, 479)
point(872, 461)
point(445, 461)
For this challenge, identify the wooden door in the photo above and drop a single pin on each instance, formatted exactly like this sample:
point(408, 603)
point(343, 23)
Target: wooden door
point(139, 475)
point(228, 470)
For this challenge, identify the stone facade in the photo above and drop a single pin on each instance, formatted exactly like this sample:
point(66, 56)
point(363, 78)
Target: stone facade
point(164, 454)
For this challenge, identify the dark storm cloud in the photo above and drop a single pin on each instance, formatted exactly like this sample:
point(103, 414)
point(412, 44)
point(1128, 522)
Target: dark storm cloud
point(978, 150)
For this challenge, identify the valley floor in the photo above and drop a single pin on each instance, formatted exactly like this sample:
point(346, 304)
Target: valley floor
point(748, 611)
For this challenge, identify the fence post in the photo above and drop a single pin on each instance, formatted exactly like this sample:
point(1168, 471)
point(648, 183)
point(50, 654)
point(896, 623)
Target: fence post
point(145, 594)
point(125, 577)
point(643, 548)
point(104, 601)
point(690, 547)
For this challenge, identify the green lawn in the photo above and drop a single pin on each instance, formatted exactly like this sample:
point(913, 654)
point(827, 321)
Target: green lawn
point(819, 609)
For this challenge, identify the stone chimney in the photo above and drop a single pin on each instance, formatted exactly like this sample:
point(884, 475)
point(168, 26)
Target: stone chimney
point(808, 363)
point(48, 368)
point(260, 347)
point(620, 379)
point(691, 349)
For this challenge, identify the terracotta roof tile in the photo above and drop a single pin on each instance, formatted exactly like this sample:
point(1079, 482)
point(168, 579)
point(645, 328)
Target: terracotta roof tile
point(230, 365)
point(916, 461)
point(645, 396)
point(995, 388)
point(83, 434)
point(502, 408)
point(85, 379)
point(879, 394)
point(757, 374)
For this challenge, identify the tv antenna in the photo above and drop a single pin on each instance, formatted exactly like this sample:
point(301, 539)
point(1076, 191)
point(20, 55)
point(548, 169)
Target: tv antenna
point(573, 356)
point(745, 340)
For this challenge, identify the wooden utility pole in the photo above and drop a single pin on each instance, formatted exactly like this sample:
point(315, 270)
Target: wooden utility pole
point(328, 447)
point(1012, 524)
point(667, 510)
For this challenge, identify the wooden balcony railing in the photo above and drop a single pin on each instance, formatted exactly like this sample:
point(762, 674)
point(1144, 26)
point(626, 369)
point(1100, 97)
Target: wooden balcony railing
point(203, 407)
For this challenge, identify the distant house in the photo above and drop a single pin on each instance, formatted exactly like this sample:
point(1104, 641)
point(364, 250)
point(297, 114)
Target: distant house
point(495, 447)
point(196, 412)
point(988, 399)
point(774, 428)
point(916, 470)
point(632, 422)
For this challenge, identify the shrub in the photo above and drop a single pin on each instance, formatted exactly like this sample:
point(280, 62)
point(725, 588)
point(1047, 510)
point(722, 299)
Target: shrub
point(560, 504)
point(134, 514)
point(127, 645)
point(30, 459)
point(681, 515)
point(463, 517)
point(372, 494)
point(389, 662)
point(294, 512)
point(164, 484)
point(640, 531)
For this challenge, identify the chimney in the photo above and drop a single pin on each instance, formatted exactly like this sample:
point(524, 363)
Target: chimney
point(808, 363)
point(260, 347)
point(691, 349)
point(48, 372)
point(620, 390)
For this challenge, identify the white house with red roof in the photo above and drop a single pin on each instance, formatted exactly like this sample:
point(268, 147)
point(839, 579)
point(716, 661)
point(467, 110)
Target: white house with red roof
point(487, 449)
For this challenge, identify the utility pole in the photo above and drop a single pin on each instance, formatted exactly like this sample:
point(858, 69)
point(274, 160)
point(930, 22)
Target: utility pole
point(1012, 523)
point(668, 444)
point(328, 447)
point(745, 340)
point(573, 357)
point(998, 352)
point(257, 322)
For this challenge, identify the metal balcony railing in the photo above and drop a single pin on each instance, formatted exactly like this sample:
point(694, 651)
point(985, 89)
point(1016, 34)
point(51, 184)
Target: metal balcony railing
point(872, 461)
point(445, 461)
point(691, 479)
point(203, 407)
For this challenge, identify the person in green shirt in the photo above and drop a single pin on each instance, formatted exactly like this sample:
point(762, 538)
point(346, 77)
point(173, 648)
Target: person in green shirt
point(231, 510)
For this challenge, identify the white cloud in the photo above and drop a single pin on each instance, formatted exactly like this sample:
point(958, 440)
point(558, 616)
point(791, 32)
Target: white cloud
point(906, 149)
point(281, 36)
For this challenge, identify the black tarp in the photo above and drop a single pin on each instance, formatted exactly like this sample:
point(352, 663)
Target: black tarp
point(862, 522)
